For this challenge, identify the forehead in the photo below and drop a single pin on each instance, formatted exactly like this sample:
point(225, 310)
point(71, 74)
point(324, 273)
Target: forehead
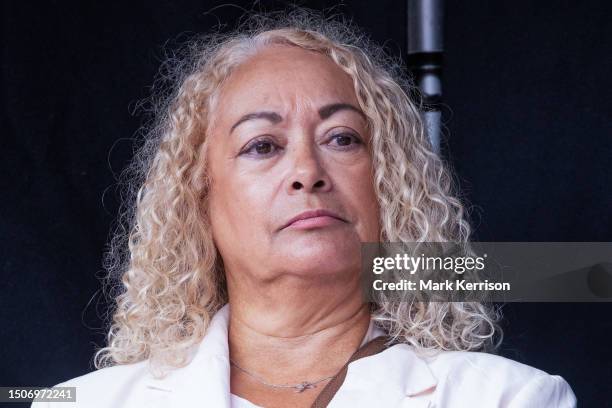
point(284, 78)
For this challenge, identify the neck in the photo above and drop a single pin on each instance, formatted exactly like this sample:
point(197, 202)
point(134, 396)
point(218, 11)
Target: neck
point(295, 331)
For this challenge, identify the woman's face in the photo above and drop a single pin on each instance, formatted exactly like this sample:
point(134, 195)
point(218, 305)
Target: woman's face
point(288, 140)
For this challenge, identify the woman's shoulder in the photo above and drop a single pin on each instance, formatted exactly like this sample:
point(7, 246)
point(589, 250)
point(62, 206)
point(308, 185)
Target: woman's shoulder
point(503, 378)
point(478, 377)
point(109, 375)
point(480, 364)
point(106, 386)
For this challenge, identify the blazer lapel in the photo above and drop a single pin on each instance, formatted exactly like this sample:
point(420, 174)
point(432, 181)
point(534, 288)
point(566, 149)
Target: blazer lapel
point(396, 377)
point(205, 381)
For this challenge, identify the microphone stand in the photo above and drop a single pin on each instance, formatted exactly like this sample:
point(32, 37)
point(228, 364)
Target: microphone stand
point(425, 58)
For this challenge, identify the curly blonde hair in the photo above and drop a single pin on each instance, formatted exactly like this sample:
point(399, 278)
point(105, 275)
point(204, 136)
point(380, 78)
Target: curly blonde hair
point(165, 274)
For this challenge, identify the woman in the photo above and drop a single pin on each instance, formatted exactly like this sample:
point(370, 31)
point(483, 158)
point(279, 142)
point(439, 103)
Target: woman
point(284, 146)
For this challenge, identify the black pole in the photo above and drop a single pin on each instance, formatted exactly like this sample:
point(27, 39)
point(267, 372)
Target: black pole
point(425, 58)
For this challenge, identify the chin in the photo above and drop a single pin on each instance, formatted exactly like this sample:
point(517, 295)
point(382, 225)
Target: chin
point(322, 256)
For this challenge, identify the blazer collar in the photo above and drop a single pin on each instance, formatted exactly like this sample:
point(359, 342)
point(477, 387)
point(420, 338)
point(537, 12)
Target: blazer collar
point(206, 379)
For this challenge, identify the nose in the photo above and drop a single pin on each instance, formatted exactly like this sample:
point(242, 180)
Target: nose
point(307, 173)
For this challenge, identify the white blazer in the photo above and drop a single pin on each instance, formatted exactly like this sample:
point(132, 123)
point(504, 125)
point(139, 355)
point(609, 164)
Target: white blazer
point(396, 377)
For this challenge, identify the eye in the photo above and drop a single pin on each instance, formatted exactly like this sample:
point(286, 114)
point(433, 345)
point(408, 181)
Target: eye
point(259, 148)
point(344, 140)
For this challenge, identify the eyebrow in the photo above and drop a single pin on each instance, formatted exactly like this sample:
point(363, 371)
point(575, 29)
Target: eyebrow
point(324, 113)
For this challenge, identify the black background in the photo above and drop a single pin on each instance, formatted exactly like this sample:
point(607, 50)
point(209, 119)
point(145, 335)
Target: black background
point(528, 132)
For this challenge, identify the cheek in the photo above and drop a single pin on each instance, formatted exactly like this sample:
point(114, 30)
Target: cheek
point(238, 208)
point(364, 203)
point(372, 230)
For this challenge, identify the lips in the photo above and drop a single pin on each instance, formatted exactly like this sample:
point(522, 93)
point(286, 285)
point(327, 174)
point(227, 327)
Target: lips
point(316, 217)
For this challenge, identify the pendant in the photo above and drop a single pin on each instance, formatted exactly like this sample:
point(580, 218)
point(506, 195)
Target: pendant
point(304, 386)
